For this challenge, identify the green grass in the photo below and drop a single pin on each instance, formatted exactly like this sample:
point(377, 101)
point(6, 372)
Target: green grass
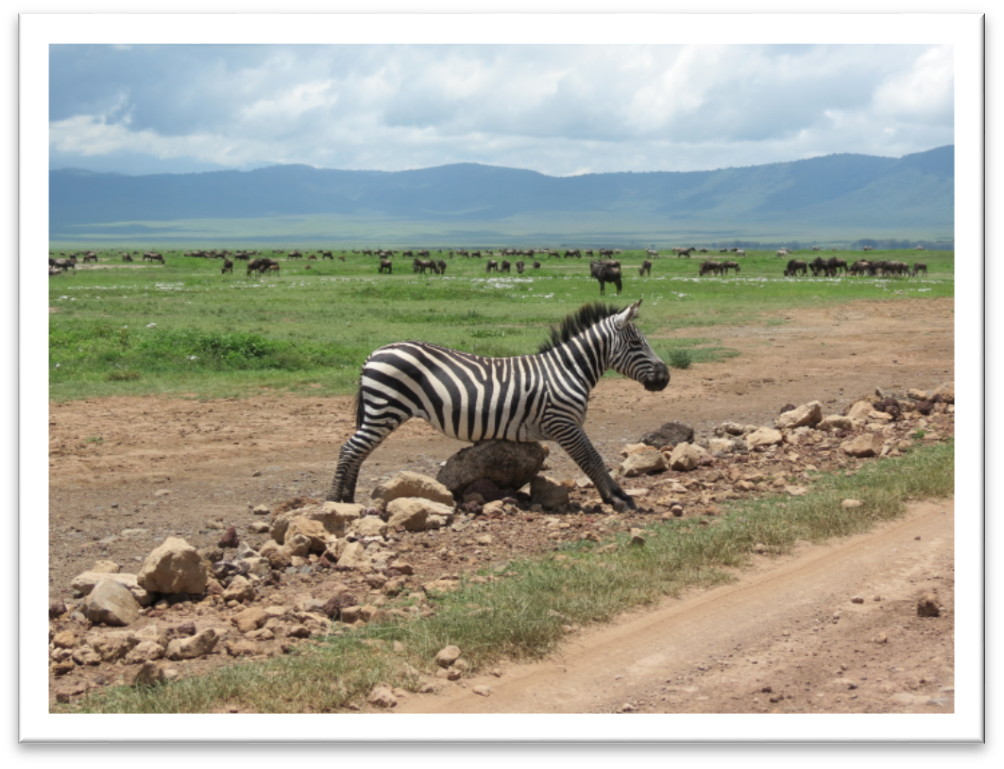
point(184, 327)
point(520, 616)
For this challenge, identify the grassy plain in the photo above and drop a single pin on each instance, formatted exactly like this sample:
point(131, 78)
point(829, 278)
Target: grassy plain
point(186, 329)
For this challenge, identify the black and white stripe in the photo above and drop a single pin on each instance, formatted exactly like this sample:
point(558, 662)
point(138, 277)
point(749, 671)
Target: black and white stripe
point(526, 398)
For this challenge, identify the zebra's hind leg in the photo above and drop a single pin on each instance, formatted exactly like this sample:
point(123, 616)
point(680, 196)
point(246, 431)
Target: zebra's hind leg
point(573, 439)
point(353, 454)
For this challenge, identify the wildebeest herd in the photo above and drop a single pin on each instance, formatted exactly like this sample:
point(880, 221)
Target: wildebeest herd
point(605, 270)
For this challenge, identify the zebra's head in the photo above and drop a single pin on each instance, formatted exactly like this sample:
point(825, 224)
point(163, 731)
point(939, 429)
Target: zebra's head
point(631, 354)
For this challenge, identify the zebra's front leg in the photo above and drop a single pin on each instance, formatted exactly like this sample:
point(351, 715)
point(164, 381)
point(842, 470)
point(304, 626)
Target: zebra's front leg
point(573, 439)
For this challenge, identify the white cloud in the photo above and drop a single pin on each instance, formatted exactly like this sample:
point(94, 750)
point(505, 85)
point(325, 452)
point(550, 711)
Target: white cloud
point(924, 93)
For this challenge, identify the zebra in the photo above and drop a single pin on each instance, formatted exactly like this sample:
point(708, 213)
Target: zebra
point(522, 399)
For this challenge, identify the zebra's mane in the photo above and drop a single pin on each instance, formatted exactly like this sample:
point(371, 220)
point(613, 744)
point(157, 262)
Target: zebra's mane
point(586, 316)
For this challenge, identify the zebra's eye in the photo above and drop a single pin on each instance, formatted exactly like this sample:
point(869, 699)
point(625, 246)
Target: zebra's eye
point(634, 343)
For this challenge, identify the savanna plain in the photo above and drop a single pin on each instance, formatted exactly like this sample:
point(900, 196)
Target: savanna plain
point(182, 398)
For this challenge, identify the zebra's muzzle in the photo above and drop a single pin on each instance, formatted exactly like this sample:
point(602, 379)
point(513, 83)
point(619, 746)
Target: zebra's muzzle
point(659, 379)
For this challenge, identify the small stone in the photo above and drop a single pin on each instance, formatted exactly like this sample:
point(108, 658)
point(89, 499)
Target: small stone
point(858, 599)
point(482, 690)
point(848, 504)
point(382, 696)
point(447, 656)
point(229, 538)
point(928, 606)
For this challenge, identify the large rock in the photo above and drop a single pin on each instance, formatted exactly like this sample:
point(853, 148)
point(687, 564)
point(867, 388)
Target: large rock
point(409, 484)
point(354, 556)
point(548, 492)
point(946, 391)
point(174, 567)
point(84, 583)
point(670, 434)
point(507, 464)
point(314, 531)
point(194, 646)
point(686, 457)
point(860, 410)
point(334, 516)
point(764, 436)
point(864, 445)
point(110, 603)
point(414, 513)
point(835, 422)
point(644, 463)
point(806, 414)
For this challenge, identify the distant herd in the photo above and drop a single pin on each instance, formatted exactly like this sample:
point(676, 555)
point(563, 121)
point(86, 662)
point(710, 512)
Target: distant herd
point(604, 270)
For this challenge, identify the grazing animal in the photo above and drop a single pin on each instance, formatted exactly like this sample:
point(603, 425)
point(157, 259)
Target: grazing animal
point(505, 266)
point(794, 267)
point(646, 268)
point(386, 266)
point(714, 268)
point(442, 266)
point(491, 266)
point(919, 267)
point(726, 266)
point(522, 399)
point(228, 266)
point(520, 266)
point(605, 272)
point(126, 258)
point(866, 248)
point(739, 252)
point(536, 265)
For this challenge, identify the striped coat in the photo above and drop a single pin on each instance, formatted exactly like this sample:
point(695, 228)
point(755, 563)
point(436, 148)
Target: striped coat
point(525, 398)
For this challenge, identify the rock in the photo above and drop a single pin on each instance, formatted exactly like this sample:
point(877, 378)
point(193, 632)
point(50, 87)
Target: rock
point(382, 696)
point(333, 516)
point(313, 529)
point(644, 463)
point(946, 392)
point(859, 411)
point(918, 395)
point(637, 537)
point(928, 606)
point(57, 608)
point(507, 464)
point(241, 647)
point(297, 544)
point(230, 538)
point(849, 504)
point(240, 589)
point(447, 656)
point(858, 599)
point(835, 422)
point(369, 526)
point(65, 639)
point(686, 457)
point(727, 445)
point(261, 510)
point(412, 513)
point(409, 484)
point(482, 690)
point(194, 646)
point(147, 674)
point(806, 414)
point(84, 583)
point(145, 651)
point(111, 647)
point(891, 407)
point(354, 557)
point(106, 567)
point(548, 492)
point(250, 619)
point(174, 567)
point(634, 448)
point(764, 436)
point(670, 434)
point(109, 603)
point(729, 428)
point(439, 586)
point(864, 445)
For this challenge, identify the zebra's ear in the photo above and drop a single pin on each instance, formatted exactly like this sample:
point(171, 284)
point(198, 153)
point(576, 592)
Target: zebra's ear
point(626, 316)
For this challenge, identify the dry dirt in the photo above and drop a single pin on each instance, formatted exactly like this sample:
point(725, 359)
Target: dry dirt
point(126, 472)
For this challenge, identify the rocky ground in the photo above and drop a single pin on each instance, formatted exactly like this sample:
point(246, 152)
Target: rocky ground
point(126, 474)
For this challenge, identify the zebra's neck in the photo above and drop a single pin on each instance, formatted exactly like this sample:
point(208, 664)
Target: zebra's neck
point(585, 357)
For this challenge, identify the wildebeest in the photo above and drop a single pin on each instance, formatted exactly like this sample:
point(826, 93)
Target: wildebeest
point(833, 264)
point(714, 268)
point(421, 265)
point(861, 266)
point(646, 267)
point(386, 266)
point(228, 266)
point(726, 266)
point(520, 266)
point(491, 266)
point(505, 266)
point(126, 258)
point(90, 256)
point(536, 265)
point(605, 272)
point(442, 266)
point(919, 267)
point(739, 252)
point(794, 267)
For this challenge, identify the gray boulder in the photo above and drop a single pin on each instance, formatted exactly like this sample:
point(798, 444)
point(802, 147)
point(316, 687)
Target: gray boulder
point(506, 464)
point(110, 603)
point(670, 434)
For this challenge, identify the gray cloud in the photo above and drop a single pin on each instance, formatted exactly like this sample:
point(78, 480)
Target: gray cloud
point(555, 109)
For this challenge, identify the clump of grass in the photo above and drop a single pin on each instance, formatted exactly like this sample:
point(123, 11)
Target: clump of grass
point(119, 375)
point(680, 358)
point(521, 615)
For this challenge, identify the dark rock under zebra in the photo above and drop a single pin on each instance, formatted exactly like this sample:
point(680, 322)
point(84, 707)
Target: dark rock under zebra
point(525, 398)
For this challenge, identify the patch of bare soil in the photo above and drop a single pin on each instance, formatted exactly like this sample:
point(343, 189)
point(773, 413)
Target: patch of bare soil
point(127, 472)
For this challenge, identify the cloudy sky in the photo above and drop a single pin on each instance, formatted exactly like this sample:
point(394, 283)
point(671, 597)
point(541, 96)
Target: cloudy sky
point(557, 109)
